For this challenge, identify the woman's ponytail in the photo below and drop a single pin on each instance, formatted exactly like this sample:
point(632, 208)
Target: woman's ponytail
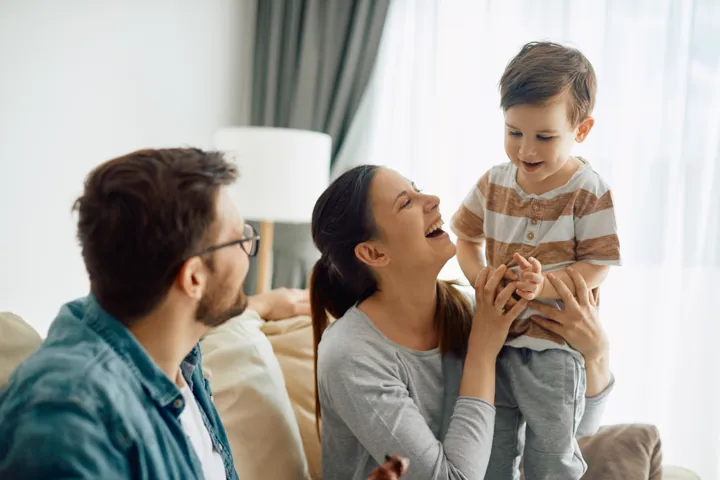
point(328, 295)
point(341, 220)
point(453, 316)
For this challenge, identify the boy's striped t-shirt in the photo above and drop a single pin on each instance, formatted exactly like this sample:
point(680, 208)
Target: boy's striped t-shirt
point(575, 222)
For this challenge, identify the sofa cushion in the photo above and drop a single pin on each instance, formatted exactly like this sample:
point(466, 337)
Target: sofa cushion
point(252, 400)
point(292, 341)
point(623, 451)
point(17, 341)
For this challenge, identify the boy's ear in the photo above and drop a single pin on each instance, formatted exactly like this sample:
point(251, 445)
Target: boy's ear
point(583, 130)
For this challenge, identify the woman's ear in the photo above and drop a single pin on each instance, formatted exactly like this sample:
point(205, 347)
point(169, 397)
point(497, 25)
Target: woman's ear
point(583, 130)
point(371, 255)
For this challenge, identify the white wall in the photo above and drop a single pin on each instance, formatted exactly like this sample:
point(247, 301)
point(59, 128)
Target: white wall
point(82, 81)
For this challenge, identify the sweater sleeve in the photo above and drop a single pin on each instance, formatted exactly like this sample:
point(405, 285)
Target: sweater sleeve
point(594, 409)
point(372, 400)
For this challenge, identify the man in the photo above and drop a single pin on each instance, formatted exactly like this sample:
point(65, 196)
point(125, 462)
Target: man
point(116, 390)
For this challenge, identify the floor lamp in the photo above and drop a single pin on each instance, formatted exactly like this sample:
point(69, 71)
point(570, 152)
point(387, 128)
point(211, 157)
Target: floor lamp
point(282, 173)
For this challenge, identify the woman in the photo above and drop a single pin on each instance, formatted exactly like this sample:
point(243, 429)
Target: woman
point(409, 366)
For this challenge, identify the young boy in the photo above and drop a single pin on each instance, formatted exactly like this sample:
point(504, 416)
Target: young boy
point(540, 213)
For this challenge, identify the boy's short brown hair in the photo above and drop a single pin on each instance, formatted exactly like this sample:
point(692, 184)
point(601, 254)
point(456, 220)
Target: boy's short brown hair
point(543, 70)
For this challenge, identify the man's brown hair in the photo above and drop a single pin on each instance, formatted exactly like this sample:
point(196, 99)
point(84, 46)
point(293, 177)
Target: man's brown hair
point(140, 217)
point(543, 70)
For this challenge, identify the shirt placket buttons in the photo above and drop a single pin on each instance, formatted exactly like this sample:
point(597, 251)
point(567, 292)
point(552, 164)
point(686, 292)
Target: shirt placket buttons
point(532, 227)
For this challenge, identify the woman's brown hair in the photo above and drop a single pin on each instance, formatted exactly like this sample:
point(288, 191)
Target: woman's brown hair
point(342, 218)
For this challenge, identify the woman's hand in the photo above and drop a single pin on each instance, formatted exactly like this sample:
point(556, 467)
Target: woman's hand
point(492, 317)
point(490, 326)
point(579, 322)
point(393, 468)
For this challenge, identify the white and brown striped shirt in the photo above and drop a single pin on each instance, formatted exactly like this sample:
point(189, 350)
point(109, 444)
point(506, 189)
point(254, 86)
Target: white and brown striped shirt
point(575, 222)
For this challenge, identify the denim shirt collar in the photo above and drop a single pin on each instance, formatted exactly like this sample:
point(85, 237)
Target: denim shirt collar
point(156, 383)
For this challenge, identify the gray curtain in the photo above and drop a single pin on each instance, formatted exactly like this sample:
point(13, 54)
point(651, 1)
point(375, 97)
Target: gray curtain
point(311, 65)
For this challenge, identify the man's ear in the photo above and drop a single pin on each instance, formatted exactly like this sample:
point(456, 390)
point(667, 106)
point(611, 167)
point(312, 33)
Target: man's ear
point(371, 255)
point(583, 130)
point(192, 278)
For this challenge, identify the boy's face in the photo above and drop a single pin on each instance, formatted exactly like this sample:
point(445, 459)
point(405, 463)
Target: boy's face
point(539, 139)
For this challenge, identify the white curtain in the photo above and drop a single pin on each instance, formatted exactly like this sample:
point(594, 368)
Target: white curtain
point(432, 112)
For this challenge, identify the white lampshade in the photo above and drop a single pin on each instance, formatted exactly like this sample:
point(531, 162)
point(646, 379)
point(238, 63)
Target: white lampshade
point(282, 171)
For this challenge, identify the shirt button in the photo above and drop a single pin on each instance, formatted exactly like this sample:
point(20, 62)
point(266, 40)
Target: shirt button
point(178, 403)
point(533, 221)
point(535, 207)
point(530, 236)
point(220, 447)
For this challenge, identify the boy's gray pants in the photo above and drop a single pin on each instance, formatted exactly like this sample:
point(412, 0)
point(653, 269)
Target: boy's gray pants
point(540, 400)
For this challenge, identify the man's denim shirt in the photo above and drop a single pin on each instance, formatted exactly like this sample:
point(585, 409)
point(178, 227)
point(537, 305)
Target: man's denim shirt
point(90, 403)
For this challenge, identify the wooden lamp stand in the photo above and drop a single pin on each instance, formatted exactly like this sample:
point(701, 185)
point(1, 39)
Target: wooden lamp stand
point(265, 256)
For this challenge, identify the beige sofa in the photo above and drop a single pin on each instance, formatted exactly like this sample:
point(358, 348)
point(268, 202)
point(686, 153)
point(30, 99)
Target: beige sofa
point(624, 452)
point(261, 374)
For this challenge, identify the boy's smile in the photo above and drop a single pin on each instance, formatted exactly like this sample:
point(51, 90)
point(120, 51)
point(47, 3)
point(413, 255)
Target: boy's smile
point(531, 167)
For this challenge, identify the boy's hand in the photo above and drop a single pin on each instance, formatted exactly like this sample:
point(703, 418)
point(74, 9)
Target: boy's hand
point(531, 279)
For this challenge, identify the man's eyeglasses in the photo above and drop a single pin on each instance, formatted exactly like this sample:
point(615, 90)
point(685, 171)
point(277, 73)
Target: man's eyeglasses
point(250, 243)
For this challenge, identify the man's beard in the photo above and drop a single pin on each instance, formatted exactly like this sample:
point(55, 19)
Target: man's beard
point(214, 308)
